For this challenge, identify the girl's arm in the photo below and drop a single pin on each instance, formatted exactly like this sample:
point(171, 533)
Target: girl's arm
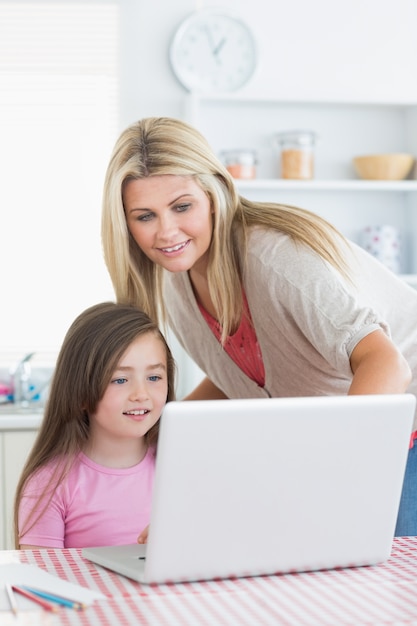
point(206, 390)
point(378, 366)
point(41, 522)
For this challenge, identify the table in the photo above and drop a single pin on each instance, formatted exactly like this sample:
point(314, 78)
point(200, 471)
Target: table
point(383, 594)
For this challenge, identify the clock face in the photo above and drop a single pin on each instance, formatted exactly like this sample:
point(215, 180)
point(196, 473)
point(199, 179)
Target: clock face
point(213, 52)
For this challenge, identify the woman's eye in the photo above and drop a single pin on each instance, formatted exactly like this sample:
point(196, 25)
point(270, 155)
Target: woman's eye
point(183, 207)
point(145, 217)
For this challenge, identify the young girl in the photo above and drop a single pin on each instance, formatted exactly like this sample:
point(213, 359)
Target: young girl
point(267, 299)
point(88, 479)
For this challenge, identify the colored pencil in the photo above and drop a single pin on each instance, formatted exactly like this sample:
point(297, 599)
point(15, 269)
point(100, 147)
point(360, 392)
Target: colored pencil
point(53, 597)
point(11, 598)
point(31, 596)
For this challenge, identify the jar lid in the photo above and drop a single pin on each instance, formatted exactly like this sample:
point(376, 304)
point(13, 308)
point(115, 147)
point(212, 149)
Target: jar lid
point(239, 156)
point(299, 137)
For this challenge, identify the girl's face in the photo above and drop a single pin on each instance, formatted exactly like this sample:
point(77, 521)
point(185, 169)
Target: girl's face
point(135, 396)
point(170, 218)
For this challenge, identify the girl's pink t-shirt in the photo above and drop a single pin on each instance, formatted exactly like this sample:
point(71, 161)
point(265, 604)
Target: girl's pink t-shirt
point(93, 506)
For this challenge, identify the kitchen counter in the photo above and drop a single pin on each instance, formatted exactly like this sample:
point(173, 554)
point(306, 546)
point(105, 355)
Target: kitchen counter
point(22, 419)
point(18, 431)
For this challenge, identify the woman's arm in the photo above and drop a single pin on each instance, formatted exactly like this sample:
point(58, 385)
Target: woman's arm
point(378, 366)
point(206, 390)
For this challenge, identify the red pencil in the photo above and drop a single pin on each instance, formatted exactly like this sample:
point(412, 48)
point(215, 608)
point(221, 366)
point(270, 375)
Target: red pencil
point(31, 596)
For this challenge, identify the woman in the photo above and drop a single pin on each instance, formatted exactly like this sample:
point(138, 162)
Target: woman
point(267, 299)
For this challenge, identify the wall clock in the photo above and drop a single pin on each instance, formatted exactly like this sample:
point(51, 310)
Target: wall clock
point(213, 51)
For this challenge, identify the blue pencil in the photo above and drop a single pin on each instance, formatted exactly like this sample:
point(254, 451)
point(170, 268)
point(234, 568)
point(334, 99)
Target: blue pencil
point(72, 604)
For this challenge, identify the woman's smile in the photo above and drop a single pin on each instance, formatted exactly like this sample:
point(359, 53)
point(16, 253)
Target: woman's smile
point(178, 248)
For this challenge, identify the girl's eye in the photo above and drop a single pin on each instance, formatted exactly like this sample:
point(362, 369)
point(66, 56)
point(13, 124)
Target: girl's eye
point(119, 381)
point(155, 378)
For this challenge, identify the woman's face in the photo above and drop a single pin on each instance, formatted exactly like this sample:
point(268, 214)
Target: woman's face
point(170, 218)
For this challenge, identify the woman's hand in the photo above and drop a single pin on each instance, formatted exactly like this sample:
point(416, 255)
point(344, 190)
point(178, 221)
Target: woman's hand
point(206, 390)
point(143, 537)
point(378, 366)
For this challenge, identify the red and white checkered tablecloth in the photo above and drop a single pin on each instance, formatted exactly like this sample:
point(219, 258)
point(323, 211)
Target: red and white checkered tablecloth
point(379, 595)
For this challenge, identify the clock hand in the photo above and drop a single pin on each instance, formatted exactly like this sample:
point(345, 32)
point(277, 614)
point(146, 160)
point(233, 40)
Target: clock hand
point(210, 38)
point(215, 49)
point(219, 46)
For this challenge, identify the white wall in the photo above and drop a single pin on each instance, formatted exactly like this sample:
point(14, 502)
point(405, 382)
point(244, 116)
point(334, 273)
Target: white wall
point(364, 50)
point(327, 49)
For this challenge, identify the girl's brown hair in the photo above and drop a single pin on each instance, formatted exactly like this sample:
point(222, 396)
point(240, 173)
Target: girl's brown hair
point(90, 352)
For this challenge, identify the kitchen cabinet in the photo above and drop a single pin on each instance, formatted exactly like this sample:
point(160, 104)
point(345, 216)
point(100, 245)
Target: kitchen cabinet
point(15, 443)
point(345, 130)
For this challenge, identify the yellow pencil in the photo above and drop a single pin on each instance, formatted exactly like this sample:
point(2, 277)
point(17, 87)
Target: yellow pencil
point(12, 599)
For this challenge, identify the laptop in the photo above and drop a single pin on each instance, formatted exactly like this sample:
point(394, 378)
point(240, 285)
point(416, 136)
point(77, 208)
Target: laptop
point(252, 487)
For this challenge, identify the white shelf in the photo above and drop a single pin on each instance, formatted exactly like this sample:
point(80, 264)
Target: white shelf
point(195, 98)
point(345, 129)
point(324, 185)
point(410, 279)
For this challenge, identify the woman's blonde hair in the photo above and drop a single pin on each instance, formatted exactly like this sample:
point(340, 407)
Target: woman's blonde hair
point(157, 146)
point(91, 350)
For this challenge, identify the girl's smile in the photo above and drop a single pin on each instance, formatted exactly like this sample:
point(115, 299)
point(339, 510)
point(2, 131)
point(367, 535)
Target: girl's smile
point(170, 218)
point(137, 416)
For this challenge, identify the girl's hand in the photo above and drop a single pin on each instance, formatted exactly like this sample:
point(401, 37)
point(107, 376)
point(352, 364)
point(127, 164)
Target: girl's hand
point(143, 537)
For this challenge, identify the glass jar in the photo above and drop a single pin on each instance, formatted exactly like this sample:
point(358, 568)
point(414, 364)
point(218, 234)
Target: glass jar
point(240, 163)
point(297, 153)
